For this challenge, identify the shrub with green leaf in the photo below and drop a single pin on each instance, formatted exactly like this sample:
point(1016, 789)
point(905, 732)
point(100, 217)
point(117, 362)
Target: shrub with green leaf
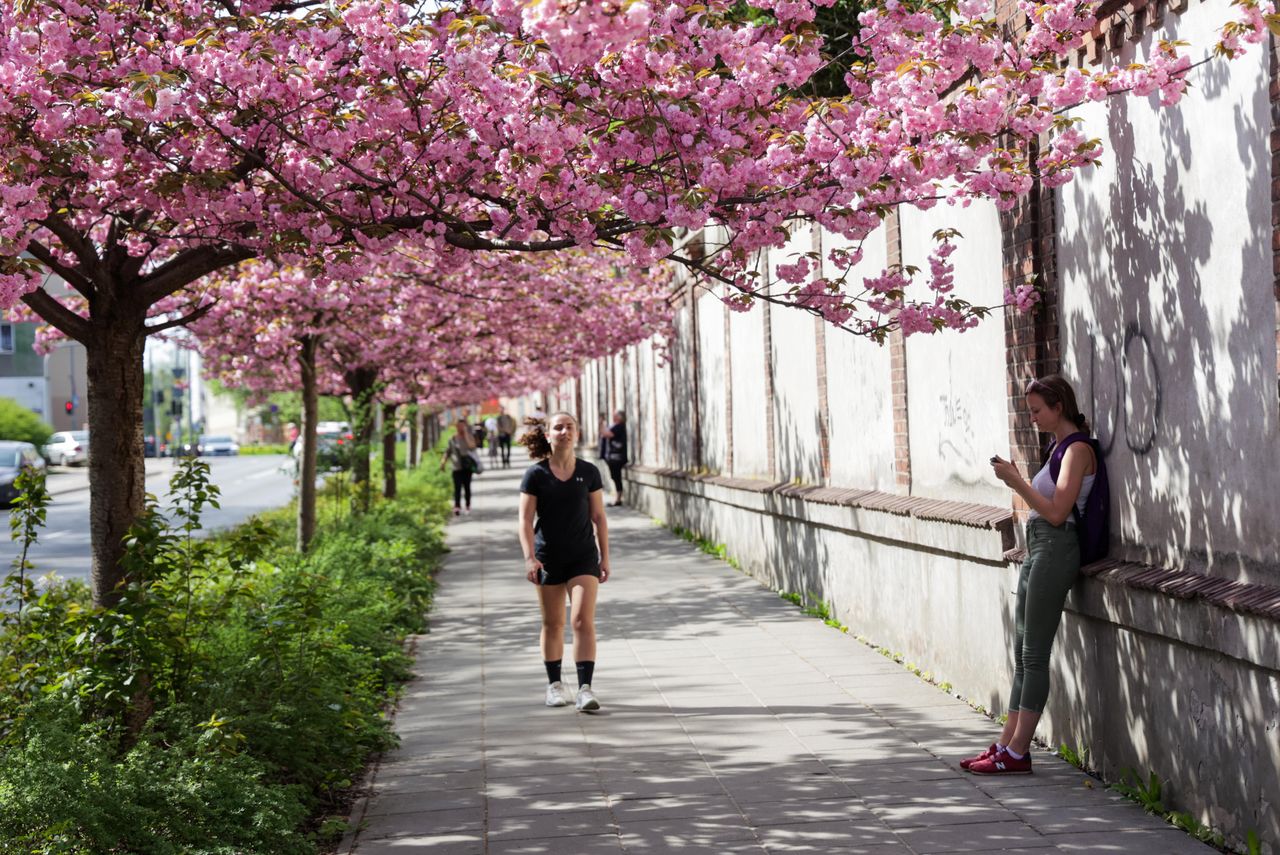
point(20, 424)
point(234, 693)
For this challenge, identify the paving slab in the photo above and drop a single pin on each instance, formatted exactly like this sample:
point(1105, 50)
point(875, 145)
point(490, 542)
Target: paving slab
point(731, 723)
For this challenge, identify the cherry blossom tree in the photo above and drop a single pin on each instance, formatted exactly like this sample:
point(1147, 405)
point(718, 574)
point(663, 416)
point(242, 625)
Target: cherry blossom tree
point(422, 330)
point(147, 145)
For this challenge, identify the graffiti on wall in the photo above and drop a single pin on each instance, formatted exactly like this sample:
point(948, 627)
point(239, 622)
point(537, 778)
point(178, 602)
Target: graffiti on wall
point(1125, 391)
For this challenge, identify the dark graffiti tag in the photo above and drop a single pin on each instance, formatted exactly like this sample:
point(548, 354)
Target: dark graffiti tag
point(1132, 403)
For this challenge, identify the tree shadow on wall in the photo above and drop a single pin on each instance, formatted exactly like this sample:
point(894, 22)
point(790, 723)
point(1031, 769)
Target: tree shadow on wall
point(1174, 368)
point(1175, 377)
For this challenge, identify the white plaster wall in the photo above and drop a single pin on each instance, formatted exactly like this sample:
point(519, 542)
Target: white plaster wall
point(747, 367)
point(664, 451)
point(1168, 313)
point(796, 406)
point(711, 381)
point(956, 388)
point(859, 388)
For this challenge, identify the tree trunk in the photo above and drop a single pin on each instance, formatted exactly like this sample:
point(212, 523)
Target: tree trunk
point(362, 383)
point(389, 451)
point(117, 466)
point(411, 453)
point(307, 462)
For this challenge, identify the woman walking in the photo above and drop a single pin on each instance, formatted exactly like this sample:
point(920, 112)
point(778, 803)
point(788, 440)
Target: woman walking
point(614, 442)
point(565, 539)
point(461, 453)
point(1057, 497)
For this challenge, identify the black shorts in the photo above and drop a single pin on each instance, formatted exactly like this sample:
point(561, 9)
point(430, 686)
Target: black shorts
point(560, 572)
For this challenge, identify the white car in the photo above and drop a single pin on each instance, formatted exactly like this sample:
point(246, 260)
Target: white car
point(68, 448)
point(223, 446)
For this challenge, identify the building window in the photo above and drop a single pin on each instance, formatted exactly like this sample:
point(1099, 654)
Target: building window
point(6, 338)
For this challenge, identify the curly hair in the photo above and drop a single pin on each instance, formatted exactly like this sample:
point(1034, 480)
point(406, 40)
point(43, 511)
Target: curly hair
point(535, 436)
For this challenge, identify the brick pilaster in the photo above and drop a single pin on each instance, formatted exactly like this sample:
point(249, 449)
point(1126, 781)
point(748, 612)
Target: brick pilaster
point(769, 416)
point(728, 391)
point(1032, 340)
point(898, 368)
point(695, 346)
point(820, 354)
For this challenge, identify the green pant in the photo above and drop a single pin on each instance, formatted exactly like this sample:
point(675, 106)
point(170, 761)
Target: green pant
point(1051, 568)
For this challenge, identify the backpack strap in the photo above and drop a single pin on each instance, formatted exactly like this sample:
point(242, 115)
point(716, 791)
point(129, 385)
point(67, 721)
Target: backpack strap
point(1059, 451)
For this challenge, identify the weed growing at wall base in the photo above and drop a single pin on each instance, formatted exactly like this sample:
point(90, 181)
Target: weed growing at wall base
point(229, 702)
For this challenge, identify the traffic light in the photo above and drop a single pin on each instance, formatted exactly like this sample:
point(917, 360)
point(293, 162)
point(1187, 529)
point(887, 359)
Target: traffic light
point(175, 408)
point(70, 407)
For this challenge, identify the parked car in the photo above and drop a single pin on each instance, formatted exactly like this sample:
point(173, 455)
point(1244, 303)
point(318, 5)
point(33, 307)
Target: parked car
point(149, 448)
point(68, 448)
point(217, 446)
point(333, 447)
point(14, 456)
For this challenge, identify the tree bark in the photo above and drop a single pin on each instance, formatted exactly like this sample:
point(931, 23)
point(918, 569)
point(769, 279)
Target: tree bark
point(389, 451)
point(362, 383)
point(307, 462)
point(415, 420)
point(117, 466)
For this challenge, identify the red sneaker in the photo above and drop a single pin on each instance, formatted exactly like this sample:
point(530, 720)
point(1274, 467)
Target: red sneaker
point(969, 761)
point(1002, 763)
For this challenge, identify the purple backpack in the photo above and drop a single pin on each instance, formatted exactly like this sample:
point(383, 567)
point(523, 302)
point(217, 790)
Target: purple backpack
point(1094, 525)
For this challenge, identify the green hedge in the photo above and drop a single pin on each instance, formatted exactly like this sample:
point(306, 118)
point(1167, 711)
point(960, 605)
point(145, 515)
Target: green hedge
point(268, 673)
point(19, 423)
point(266, 448)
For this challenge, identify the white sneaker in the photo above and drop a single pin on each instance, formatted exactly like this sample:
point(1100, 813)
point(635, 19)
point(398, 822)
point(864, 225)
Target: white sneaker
point(557, 695)
point(587, 699)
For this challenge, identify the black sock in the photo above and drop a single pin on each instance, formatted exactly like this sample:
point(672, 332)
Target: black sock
point(585, 671)
point(553, 670)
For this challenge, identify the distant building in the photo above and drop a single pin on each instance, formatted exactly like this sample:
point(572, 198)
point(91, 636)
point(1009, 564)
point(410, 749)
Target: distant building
point(44, 384)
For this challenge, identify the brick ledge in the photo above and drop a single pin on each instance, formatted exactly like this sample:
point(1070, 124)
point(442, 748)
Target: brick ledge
point(1242, 597)
point(934, 510)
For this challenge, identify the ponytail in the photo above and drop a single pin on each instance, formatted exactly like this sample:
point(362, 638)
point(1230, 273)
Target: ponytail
point(1055, 390)
point(534, 439)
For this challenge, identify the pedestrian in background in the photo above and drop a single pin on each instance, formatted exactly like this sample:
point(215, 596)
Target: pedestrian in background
point(461, 452)
point(1068, 493)
point(491, 434)
point(564, 535)
point(615, 452)
point(506, 430)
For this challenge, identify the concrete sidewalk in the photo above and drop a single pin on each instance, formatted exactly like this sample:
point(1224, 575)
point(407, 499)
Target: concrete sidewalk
point(731, 723)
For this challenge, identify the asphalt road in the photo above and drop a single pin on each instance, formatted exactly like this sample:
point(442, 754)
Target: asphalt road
point(249, 484)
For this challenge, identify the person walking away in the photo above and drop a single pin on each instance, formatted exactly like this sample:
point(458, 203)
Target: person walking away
point(564, 535)
point(460, 451)
point(506, 430)
point(1069, 493)
point(491, 433)
point(615, 456)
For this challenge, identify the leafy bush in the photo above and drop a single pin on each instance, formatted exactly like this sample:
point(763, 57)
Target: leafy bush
point(234, 693)
point(20, 424)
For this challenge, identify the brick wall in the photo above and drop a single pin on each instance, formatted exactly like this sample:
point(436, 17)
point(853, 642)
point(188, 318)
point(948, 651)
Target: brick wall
point(898, 366)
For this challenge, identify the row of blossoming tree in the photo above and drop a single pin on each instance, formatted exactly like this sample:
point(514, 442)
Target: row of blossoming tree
point(438, 328)
point(146, 146)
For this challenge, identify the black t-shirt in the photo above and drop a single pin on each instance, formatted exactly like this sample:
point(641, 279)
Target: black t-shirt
point(563, 529)
point(617, 444)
